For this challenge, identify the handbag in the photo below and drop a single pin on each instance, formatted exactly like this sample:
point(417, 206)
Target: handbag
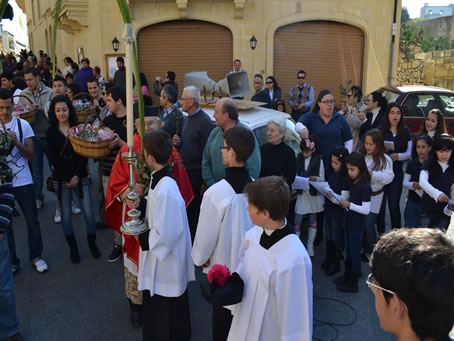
point(50, 179)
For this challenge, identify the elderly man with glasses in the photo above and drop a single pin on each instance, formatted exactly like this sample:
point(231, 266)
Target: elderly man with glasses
point(412, 279)
point(197, 127)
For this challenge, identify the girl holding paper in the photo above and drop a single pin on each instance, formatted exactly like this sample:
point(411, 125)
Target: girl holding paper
point(380, 167)
point(420, 153)
point(395, 131)
point(309, 165)
point(334, 213)
point(437, 179)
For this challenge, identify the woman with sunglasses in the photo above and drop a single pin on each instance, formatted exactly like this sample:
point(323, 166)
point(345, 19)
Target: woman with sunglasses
point(273, 91)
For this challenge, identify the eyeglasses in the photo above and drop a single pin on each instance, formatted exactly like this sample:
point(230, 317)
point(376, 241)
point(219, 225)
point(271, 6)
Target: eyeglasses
point(299, 77)
point(269, 82)
point(224, 147)
point(330, 102)
point(369, 281)
point(349, 95)
point(368, 100)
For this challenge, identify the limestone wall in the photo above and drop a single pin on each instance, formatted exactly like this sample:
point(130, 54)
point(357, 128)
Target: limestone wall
point(430, 68)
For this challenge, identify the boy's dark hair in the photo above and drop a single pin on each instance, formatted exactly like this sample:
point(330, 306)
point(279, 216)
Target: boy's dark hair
point(171, 92)
point(259, 76)
point(8, 75)
point(19, 83)
point(117, 92)
point(93, 79)
point(108, 85)
point(85, 60)
point(5, 93)
point(120, 59)
point(357, 159)
point(72, 113)
point(31, 70)
point(300, 71)
point(59, 79)
point(418, 265)
point(97, 69)
point(159, 145)
point(69, 75)
point(270, 193)
point(242, 141)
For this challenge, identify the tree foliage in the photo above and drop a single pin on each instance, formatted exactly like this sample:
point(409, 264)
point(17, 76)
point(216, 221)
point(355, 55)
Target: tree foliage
point(404, 16)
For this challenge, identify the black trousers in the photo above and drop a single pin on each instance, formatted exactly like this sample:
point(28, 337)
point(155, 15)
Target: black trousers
point(193, 210)
point(165, 318)
point(222, 319)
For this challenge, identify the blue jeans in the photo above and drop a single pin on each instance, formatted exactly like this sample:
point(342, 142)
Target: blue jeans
point(40, 145)
point(8, 317)
point(412, 214)
point(393, 192)
point(333, 225)
point(440, 221)
point(25, 196)
point(353, 236)
point(370, 233)
point(85, 204)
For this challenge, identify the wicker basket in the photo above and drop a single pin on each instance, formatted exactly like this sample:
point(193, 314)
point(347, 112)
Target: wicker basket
point(92, 150)
point(30, 115)
point(83, 114)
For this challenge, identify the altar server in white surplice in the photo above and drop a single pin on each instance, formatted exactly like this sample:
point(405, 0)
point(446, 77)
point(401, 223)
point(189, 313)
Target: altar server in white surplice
point(224, 220)
point(165, 264)
point(276, 270)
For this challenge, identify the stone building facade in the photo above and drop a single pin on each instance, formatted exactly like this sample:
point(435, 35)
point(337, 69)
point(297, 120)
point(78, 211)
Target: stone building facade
point(332, 40)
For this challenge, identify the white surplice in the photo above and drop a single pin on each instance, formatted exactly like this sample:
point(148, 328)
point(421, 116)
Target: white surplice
point(277, 298)
point(379, 179)
point(166, 268)
point(223, 223)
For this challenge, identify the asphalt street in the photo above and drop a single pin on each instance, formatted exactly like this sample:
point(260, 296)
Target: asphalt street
point(87, 301)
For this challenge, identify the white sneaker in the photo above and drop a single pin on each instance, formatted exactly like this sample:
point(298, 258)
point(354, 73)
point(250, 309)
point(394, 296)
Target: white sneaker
point(57, 218)
point(75, 209)
point(39, 204)
point(40, 265)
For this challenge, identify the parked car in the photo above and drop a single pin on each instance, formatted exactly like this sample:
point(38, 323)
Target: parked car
point(257, 119)
point(418, 100)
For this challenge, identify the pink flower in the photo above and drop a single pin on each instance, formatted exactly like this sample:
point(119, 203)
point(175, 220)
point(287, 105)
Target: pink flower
point(219, 273)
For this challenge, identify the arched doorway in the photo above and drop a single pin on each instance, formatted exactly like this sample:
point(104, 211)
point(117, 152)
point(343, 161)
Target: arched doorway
point(330, 53)
point(183, 46)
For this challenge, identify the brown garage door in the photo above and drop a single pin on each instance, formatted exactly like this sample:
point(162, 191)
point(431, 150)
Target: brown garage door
point(329, 52)
point(183, 46)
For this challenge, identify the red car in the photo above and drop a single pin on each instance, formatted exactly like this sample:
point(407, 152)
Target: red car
point(418, 100)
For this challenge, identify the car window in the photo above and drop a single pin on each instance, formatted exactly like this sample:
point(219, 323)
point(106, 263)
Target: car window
point(390, 96)
point(447, 103)
point(415, 105)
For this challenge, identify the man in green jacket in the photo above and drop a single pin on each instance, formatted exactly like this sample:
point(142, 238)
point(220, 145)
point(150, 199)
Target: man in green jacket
point(226, 116)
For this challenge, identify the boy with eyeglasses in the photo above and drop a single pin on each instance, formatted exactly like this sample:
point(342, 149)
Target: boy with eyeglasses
point(301, 96)
point(412, 280)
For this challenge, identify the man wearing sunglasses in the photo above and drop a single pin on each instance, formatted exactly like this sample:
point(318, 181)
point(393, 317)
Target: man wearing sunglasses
point(412, 279)
point(301, 96)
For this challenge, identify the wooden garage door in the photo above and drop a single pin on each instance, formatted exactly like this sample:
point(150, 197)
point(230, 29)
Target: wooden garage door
point(183, 46)
point(329, 52)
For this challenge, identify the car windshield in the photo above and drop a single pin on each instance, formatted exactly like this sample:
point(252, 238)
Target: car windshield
point(291, 137)
point(419, 105)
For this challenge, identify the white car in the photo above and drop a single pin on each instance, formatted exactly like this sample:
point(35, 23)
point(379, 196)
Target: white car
point(257, 120)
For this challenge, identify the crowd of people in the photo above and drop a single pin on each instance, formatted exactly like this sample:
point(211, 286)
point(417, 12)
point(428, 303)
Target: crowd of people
point(218, 200)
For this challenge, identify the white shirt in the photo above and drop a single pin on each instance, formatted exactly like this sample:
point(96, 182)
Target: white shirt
point(378, 180)
point(223, 223)
point(428, 188)
point(277, 298)
point(166, 268)
point(17, 162)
